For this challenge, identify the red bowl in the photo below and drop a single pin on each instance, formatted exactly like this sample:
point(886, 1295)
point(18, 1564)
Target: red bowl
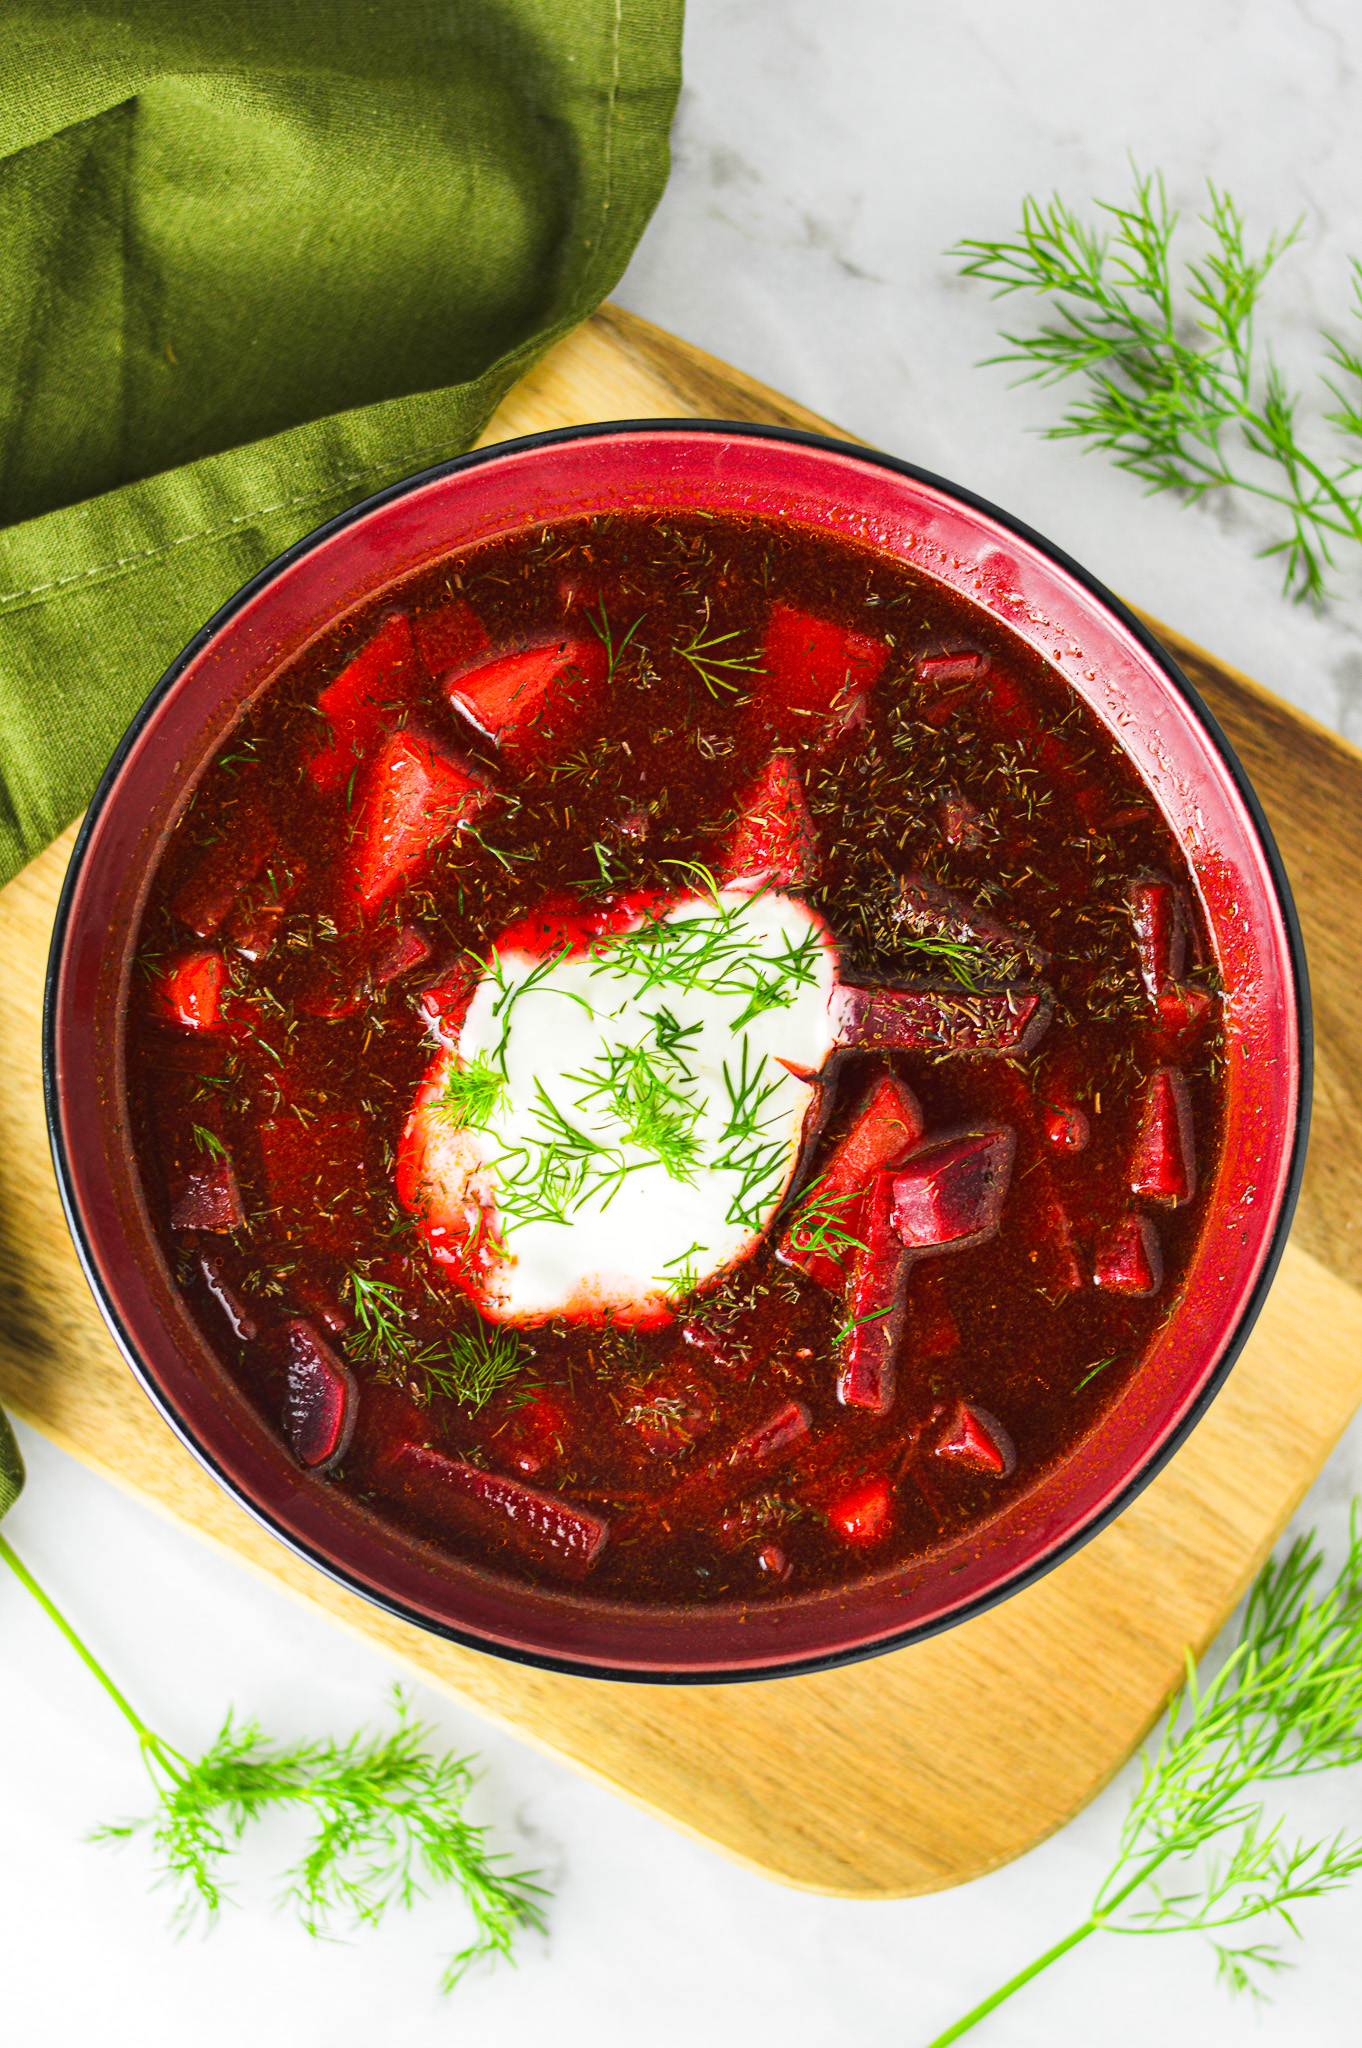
point(1079, 628)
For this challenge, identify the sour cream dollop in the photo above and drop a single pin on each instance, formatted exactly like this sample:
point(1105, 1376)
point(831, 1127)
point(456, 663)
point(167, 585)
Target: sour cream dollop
point(617, 1125)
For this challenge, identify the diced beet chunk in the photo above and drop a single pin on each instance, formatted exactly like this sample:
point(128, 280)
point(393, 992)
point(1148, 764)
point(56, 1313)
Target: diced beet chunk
point(927, 911)
point(976, 1438)
point(540, 1527)
point(960, 667)
point(228, 867)
point(962, 823)
point(1129, 1258)
point(1066, 1127)
point(875, 1306)
point(864, 1515)
point(527, 698)
point(1164, 1166)
point(443, 1003)
point(1160, 932)
point(188, 991)
point(417, 792)
point(886, 1126)
point(818, 676)
point(940, 1020)
point(207, 1198)
point(949, 1194)
point(774, 840)
point(449, 636)
point(1183, 1011)
point(322, 1398)
point(770, 1438)
point(400, 952)
point(368, 698)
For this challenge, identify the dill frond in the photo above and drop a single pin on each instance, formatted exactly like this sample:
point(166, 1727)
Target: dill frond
point(1182, 402)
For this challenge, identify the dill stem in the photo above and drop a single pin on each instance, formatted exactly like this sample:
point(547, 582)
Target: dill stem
point(54, 1613)
point(1004, 1991)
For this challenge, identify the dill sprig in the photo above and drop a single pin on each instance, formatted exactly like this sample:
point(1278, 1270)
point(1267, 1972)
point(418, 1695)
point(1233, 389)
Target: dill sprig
point(468, 1365)
point(599, 622)
point(971, 966)
point(642, 1087)
point(1286, 1704)
point(473, 1365)
point(1181, 403)
point(818, 1227)
point(721, 674)
point(472, 1093)
point(387, 1820)
point(759, 1162)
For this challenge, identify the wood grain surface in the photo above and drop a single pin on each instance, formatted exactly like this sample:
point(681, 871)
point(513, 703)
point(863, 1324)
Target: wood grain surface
point(987, 1738)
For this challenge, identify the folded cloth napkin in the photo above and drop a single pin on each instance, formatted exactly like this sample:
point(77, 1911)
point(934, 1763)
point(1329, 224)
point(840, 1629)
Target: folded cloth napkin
point(11, 1467)
point(260, 259)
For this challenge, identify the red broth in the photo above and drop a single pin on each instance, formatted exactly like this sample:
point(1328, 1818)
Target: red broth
point(1000, 1186)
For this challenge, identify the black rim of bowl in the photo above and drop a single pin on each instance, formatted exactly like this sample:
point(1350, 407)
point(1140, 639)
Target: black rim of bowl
point(1138, 1480)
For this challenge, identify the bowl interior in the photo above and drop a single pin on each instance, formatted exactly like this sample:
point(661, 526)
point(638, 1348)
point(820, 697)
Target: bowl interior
point(1053, 608)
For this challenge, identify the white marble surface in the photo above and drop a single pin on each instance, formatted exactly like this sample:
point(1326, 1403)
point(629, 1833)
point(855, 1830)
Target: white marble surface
point(825, 158)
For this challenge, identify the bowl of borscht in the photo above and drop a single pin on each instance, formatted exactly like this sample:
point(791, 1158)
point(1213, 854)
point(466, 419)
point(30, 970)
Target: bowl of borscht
point(677, 1051)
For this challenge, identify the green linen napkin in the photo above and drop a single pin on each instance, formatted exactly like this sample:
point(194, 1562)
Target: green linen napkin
point(11, 1467)
point(261, 259)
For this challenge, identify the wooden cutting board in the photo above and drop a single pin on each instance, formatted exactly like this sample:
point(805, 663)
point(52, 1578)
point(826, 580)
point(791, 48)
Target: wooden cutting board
point(929, 1766)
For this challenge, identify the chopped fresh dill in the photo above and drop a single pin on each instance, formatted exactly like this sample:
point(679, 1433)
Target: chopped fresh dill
point(683, 1282)
point(818, 1227)
point(381, 1336)
point(473, 1365)
point(874, 1315)
point(1093, 1370)
point(472, 1094)
point(759, 1162)
point(972, 966)
point(720, 673)
point(599, 622)
point(640, 1086)
point(204, 1141)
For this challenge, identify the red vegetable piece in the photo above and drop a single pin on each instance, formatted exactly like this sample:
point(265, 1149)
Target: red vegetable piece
point(926, 910)
point(875, 1305)
point(1183, 1010)
point(1164, 1166)
point(416, 793)
point(536, 1435)
point(774, 840)
point(442, 1005)
point(959, 667)
point(886, 1126)
point(962, 823)
point(228, 867)
point(974, 1437)
point(541, 1527)
point(670, 1413)
point(401, 950)
point(949, 1195)
point(1160, 932)
point(449, 636)
point(864, 1515)
point(818, 676)
point(730, 1354)
point(1129, 1258)
point(939, 1020)
point(320, 1303)
point(322, 1398)
point(1066, 1127)
point(771, 1437)
point(527, 697)
point(188, 990)
point(772, 1560)
point(207, 1196)
point(366, 699)
point(241, 1319)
